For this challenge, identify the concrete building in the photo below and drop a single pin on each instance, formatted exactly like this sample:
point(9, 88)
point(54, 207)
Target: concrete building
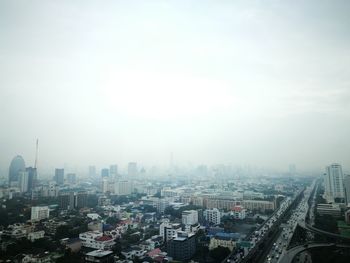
point(212, 216)
point(182, 247)
point(334, 184)
point(347, 188)
point(104, 185)
point(239, 212)
point(36, 235)
point(59, 176)
point(72, 199)
point(329, 209)
point(23, 181)
point(223, 240)
point(96, 240)
point(32, 178)
point(39, 213)
point(189, 217)
point(123, 187)
point(169, 231)
point(260, 205)
point(100, 256)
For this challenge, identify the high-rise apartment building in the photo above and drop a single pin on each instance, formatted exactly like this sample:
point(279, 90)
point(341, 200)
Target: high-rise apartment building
point(334, 184)
point(123, 187)
point(59, 176)
point(23, 181)
point(40, 212)
point(189, 217)
point(212, 216)
point(347, 188)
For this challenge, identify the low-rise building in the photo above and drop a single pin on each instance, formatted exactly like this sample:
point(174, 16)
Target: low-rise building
point(96, 239)
point(36, 235)
point(223, 240)
point(100, 256)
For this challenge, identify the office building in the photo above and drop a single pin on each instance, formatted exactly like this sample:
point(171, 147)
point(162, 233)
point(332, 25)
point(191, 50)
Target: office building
point(132, 169)
point(334, 184)
point(189, 217)
point(17, 165)
point(212, 216)
point(59, 176)
point(32, 178)
point(23, 181)
point(182, 247)
point(39, 212)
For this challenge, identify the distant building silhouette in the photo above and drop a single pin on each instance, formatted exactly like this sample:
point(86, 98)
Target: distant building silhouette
point(59, 176)
point(113, 170)
point(17, 165)
point(32, 178)
point(105, 172)
point(92, 171)
point(132, 169)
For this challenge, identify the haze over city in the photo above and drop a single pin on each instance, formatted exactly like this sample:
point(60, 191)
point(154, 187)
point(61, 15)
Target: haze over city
point(262, 83)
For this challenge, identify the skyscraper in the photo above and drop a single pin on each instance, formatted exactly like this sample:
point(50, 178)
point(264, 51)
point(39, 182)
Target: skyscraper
point(59, 176)
point(23, 181)
point(334, 184)
point(17, 165)
point(32, 178)
point(132, 169)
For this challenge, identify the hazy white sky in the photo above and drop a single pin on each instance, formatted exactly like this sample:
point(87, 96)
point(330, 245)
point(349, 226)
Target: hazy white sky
point(242, 82)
